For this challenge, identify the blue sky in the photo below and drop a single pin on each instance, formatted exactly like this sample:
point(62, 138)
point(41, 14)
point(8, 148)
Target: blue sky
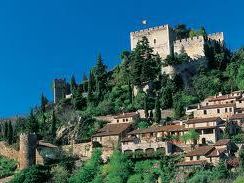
point(45, 39)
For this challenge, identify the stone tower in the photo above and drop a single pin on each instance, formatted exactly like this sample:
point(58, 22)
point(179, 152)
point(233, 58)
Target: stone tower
point(27, 150)
point(59, 89)
point(160, 39)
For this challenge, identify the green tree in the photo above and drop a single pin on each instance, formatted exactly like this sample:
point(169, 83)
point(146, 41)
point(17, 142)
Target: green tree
point(73, 84)
point(59, 174)
point(100, 74)
point(182, 31)
point(10, 133)
point(44, 102)
point(32, 125)
point(54, 126)
point(145, 66)
point(240, 77)
point(119, 168)
point(88, 172)
point(157, 111)
point(146, 107)
point(90, 89)
point(191, 136)
point(6, 130)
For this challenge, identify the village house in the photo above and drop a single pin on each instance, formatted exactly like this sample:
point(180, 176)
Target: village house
point(155, 138)
point(239, 119)
point(109, 137)
point(223, 106)
point(209, 129)
point(126, 117)
point(209, 155)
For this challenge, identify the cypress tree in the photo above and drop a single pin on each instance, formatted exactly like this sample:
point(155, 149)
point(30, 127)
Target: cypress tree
point(157, 111)
point(44, 102)
point(54, 127)
point(100, 77)
point(146, 107)
point(10, 133)
point(90, 93)
point(73, 84)
point(6, 130)
point(32, 123)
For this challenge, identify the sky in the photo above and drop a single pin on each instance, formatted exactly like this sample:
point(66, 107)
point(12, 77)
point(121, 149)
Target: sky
point(45, 39)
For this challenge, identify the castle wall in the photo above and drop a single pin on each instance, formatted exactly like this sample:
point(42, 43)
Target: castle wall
point(80, 150)
point(194, 47)
point(160, 39)
point(218, 36)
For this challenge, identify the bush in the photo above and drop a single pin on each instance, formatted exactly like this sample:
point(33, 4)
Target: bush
point(59, 174)
point(7, 167)
point(37, 174)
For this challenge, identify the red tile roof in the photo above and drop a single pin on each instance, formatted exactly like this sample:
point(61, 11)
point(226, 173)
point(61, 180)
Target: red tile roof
point(202, 120)
point(192, 163)
point(112, 129)
point(217, 152)
point(217, 106)
point(167, 128)
point(200, 151)
point(127, 115)
point(222, 142)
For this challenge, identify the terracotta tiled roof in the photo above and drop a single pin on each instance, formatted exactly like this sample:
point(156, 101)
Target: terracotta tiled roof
point(192, 163)
point(127, 115)
point(200, 151)
point(202, 120)
point(233, 162)
point(112, 129)
point(217, 152)
point(222, 142)
point(167, 128)
point(237, 116)
point(217, 106)
point(223, 97)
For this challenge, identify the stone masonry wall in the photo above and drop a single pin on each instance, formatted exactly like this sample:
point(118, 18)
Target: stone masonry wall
point(8, 152)
point(158, 37)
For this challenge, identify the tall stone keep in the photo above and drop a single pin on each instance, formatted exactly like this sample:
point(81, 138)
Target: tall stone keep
point(160, 39)
point(27, 150)
point(59, 89)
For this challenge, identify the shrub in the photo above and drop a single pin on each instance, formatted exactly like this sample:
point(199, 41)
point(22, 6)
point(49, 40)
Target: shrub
point(59, 174)
point(7, 167)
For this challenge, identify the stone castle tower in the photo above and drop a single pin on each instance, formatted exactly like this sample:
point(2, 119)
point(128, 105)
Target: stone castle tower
point(27, 150)
point(163, 40)
point(59, 89)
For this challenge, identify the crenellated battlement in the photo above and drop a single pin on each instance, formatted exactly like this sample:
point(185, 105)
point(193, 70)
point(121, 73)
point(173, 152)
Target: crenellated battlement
point(187, 40)
point(217, 36)
point(143, 31)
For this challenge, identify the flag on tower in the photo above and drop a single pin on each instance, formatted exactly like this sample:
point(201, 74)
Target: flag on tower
point(144, 22)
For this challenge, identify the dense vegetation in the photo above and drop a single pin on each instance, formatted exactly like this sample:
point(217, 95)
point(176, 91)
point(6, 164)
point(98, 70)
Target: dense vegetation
point(7, 167)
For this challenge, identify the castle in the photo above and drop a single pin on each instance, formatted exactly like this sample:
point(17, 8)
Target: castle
point(163, 41)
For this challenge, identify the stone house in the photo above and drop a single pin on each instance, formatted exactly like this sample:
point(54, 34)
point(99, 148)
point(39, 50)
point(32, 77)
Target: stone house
point(209, 129)
point(110, 136)
point(239, 119)
point(154, 138)
point(208, 155)
point(126, 117)
point(223, 106)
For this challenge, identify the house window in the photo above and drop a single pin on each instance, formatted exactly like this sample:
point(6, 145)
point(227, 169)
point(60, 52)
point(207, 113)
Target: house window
point(191, 158)
point(198, 157)
point(117, 120)
point(126, 119)
point(230, 109)
point(218, 111)
point(154, 41)
point(239, 101)
point(123, 120)
point(205, 112)
point(232, 101)
point(206, 103)
point(226, 110)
